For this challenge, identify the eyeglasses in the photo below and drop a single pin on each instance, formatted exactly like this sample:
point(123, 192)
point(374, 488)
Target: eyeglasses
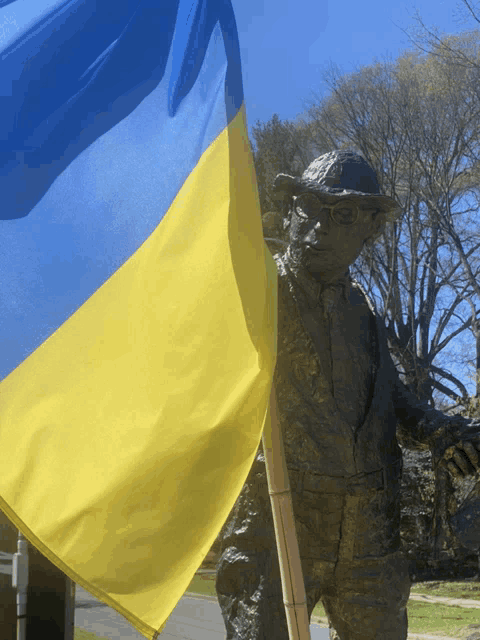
point(309, 206)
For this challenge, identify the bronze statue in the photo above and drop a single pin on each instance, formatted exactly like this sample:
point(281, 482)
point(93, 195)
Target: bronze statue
point(341, 407)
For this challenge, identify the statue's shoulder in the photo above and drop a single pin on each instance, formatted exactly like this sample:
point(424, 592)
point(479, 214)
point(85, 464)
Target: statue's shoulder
point(287, 306)
point(358, 295)
point(358, 291)
point(280, 262)
point(283, 277)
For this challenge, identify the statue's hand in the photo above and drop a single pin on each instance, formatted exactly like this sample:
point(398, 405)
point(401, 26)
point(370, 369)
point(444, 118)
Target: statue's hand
point(463, 459)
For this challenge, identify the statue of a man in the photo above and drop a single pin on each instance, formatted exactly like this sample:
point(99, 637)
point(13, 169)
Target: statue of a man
point(341, 408)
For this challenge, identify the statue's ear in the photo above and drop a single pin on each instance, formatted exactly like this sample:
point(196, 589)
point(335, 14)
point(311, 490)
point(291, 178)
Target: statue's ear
point(284, 187)
point(379, 220)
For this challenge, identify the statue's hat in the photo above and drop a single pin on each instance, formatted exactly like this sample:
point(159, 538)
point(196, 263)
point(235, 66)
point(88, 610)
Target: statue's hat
point(339, 174)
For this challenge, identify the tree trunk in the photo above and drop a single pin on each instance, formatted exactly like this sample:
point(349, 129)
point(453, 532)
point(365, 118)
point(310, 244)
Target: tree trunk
point(477, 362)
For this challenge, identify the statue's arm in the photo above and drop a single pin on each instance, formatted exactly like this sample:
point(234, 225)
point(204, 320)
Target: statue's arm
point(419, 426)
point(454, 439)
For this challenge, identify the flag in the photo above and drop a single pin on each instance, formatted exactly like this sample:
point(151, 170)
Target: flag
point(137, 298)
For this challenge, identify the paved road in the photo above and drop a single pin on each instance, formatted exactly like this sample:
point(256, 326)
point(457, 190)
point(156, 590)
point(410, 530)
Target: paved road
point(194, 618)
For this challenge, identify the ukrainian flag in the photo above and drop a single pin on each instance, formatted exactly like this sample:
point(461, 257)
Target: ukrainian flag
point(137, 298)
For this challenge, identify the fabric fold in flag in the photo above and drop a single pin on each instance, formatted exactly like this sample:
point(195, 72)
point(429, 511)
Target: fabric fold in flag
point(138, 299)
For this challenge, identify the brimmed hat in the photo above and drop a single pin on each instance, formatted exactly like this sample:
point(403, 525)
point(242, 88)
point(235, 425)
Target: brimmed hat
point(339, 174)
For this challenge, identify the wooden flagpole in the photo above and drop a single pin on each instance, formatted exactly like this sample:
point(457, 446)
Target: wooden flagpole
point(293, 587)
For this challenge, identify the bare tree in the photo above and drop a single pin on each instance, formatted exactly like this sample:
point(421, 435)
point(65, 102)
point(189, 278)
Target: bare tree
point(417, 122)
point(461, 52)
point(279, 147)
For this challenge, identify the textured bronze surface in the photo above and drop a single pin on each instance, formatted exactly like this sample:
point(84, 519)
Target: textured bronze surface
point(341, 408)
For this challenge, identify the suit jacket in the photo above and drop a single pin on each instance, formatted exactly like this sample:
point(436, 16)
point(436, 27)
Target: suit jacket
point(318, 436)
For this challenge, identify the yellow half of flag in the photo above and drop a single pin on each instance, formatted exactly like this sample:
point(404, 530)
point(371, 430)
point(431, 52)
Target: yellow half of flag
point(126, 437)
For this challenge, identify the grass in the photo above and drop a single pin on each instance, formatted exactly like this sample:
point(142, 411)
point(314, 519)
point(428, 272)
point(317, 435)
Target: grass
point(439, 618)
point(203, 583)
point(81, 634)
point(467, 590)
point(423, 617)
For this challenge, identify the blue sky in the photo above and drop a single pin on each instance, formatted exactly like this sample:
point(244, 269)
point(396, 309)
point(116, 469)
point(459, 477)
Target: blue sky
point(286, 45)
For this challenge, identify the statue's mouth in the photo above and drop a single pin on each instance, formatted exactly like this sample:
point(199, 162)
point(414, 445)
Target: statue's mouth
point(318, 249)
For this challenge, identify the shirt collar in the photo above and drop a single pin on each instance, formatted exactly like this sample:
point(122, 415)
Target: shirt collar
point(310, 289)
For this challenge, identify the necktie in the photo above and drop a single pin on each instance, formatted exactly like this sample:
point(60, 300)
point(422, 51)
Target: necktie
point(344, 385)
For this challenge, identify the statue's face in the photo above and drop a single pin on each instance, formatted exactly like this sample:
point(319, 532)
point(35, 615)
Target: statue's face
point(326, 239)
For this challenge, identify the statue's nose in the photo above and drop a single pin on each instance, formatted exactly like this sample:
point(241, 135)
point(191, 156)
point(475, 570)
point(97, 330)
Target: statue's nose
point(321, 223)
point(316, 233)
